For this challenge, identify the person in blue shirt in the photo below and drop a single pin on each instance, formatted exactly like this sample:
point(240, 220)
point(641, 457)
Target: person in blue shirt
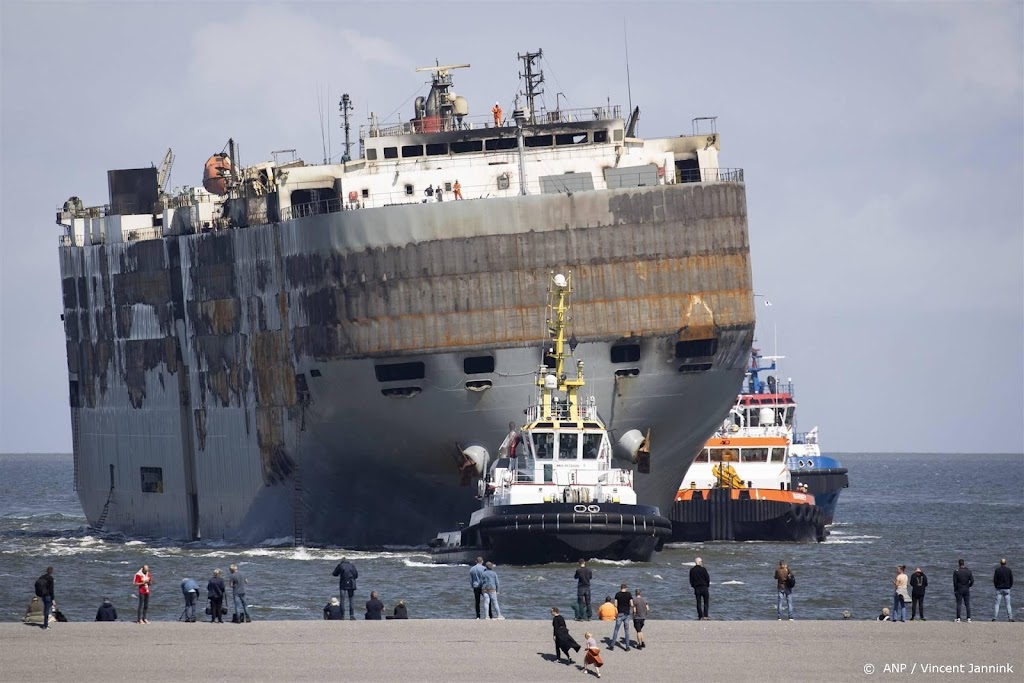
point(490, 591)
point(190, 589)
point(476, 580)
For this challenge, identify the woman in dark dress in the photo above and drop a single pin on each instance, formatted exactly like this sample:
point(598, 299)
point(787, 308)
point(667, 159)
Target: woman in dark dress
point(563, 641)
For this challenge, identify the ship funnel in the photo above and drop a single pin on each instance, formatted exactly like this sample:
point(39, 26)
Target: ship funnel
point(766, 417)
point(479, 456)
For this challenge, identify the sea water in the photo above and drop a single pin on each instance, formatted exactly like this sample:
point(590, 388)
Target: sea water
point(923, 510)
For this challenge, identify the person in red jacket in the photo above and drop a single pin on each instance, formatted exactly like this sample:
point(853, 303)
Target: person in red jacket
point(142, 579)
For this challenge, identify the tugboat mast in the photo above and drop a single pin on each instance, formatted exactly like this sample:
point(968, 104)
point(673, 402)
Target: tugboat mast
point(558, 308)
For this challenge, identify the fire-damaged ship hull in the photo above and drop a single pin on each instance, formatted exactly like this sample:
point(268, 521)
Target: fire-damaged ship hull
point(315, 370)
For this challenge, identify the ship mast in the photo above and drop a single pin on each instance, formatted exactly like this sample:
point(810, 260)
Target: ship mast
point(558, 309)
point(345, 106)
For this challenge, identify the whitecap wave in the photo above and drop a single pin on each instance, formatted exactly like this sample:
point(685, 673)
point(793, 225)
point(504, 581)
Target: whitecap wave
point(618, 563)
point(732, 583)
point(409, 562)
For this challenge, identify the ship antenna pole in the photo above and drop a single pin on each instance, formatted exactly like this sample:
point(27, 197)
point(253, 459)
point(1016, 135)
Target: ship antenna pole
point(629, 88)
point(346, 106)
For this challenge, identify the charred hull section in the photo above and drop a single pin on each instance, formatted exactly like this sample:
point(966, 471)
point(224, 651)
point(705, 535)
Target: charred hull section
point(725, 517)
point(558, 533)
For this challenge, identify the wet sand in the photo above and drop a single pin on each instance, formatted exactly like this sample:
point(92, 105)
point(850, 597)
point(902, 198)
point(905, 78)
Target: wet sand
point(470, 650)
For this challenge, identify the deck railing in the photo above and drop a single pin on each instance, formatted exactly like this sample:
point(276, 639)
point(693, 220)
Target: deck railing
point(482, 121)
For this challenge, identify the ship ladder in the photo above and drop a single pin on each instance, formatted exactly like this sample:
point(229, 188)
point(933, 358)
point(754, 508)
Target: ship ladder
point(98, 526)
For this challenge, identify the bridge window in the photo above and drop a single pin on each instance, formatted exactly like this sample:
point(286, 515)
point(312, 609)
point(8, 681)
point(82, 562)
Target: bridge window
point(778, 455)
point(724, 455)
point(390, 152)
point(571, 139)
point(412, 151)
point(152, 479)
point(497, 144)
point(538, 141)
point(400, 372)
point(591, 446)
point(437, 149)
point(755, 455)
point(567, 446)
point(544, 444)
point(371, 154)
point(465, 146)
point(704, 455)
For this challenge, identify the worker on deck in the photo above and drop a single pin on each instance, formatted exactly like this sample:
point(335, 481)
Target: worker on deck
point(497, 114)
point(457, 189)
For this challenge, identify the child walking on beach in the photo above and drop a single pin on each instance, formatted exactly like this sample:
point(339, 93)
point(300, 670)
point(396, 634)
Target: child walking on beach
point(593, 655)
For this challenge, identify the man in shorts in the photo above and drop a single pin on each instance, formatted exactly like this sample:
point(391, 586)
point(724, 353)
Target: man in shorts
point(640, 611)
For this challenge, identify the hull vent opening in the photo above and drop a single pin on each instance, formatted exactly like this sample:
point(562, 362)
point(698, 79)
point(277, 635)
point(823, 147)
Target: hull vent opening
point(479, 385)
point(400, 372)
point(401, 392)
point(696, 348)
point(478, 365)
point(694, 367)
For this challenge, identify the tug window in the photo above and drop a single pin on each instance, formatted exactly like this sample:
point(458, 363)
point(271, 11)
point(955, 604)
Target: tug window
point(567, 446)
point(724, 455)
point(544, 444)
point(755, 455)
point(704, 455)
point(778, 454)
point(591, 446)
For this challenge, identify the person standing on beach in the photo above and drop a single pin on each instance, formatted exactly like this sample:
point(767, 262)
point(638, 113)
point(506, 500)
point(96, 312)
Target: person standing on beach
point(1003, 582)
point(640, 611)
point(963, 579)
point(190, 591)
point(490, 591)
point(347, 583)
point(624, 605)
point(44, 591)
point(900, 594)
point(142, 580)
point(215, 591)
point(583, 576)
point(785, 582)
point(700, 580)
point(238, 582)
point(918, 584)
point(476, 580)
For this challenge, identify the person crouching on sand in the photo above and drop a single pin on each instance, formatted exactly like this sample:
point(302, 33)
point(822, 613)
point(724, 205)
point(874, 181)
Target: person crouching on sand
point(593, 655)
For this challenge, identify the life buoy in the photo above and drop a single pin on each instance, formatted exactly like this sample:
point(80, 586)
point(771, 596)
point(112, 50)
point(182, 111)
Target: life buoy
point(353, 197)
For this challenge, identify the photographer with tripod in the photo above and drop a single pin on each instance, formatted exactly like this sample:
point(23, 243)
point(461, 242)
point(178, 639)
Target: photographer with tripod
point(190, 590)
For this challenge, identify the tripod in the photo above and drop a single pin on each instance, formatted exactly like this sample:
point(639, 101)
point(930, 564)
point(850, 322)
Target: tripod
point(184, 615)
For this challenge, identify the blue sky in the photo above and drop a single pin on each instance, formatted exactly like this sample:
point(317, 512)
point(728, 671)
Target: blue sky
point(883, 145)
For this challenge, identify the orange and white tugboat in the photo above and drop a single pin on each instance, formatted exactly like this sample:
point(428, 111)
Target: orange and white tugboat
point(558, 490)
point(740, 488)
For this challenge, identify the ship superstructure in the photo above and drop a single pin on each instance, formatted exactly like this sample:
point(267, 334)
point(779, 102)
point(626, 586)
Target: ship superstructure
point(305, 351)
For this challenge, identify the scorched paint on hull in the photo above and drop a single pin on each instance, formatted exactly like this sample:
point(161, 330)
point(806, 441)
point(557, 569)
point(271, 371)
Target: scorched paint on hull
point(278, 369)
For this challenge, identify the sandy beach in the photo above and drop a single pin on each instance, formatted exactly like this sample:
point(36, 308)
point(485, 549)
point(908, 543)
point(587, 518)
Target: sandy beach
point(470, 650)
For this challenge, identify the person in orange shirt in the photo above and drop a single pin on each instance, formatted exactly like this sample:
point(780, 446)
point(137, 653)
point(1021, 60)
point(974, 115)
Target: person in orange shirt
point(457, 189)
point(607, 611)
point(497, 114)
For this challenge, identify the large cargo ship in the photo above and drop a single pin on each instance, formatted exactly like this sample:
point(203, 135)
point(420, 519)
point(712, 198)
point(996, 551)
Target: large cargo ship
point(306, 351)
